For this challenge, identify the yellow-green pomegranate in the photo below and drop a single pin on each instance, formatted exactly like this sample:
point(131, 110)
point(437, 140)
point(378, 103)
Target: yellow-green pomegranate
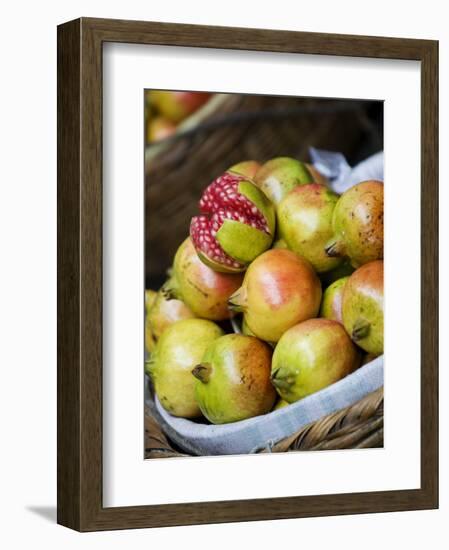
point(358, 224)
point(332, 300)
point(247, 168)
point(278, 176)
point(233, 379)
point(164, 312)
point(304, 222)
point(280, 289)
point(150, 296)
point(150, 342)
point(311, 356)
point(203, 290)
point(180, 348)
point(363, 307)
point(279, 243)
point(245, 329)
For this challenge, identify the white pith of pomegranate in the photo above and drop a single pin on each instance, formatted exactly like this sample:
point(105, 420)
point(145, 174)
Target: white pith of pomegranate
point(221, 200)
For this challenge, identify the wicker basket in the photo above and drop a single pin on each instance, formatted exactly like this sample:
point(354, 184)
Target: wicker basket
point(356, 427)
point(229, 129)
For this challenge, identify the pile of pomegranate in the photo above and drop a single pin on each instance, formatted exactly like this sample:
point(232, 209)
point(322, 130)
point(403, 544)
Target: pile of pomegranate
point(276, 294)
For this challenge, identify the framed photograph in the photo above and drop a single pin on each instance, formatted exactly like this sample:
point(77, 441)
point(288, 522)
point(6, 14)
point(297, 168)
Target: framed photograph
point(247, 274)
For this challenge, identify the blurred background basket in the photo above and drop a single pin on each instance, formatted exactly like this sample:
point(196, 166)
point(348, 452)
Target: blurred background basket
point(228, 129)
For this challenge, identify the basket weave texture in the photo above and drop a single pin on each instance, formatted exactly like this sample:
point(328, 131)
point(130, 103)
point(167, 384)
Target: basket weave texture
point(356, 427)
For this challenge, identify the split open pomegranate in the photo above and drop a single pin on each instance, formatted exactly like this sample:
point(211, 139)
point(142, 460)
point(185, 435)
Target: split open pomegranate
point(236, 223)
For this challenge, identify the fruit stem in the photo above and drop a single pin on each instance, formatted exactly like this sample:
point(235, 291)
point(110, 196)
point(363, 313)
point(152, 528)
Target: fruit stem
point(283, 383)
point(170, 290)
point(236, 301)
point(360, 330)
point(334, 249)
point(202, 372)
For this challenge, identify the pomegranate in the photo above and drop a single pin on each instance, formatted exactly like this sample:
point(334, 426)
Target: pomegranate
point(150, 342)
point(150, 296)
point(159, 128)
point(233, 379)
point(358, 224)
point(363, 307)
point(305, 223)
point(236, 225)
point(279, 290)
point(179, 349)
point(280, 175)
point(279, 243)
point(245, 329)
point(163, 312)
point(204, 291)
point(247, 168)
point(332, 300)
point(176, 106)
point(311, 356)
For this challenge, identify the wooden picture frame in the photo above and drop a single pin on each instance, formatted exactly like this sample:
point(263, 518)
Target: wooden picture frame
point(80, 274)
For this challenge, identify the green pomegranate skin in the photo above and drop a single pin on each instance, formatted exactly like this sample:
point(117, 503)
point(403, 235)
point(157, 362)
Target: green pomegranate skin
point(305, 224)
point(164, 312)
point(241, 241)
point(311, 356)
point(247, 168)
point(358, 224)
point(363, 307)
point(150, 341)
point(150, 296)
point(179, 349)
point(233, 379)
point(279, 243)
point(203, 290)
point(331, 303)
point(278, 176)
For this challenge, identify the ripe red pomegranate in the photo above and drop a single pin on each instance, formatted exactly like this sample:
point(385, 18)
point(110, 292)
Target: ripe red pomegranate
point(280, 289)
point(202, 289)
point(236, 225)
